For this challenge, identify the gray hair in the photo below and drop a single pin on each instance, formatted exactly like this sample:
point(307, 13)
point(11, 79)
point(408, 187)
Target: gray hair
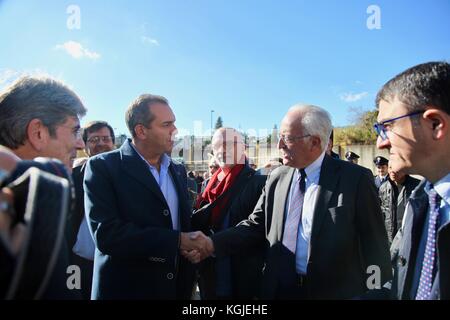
point(314, 121)
point(31, 98)
point(139, 112)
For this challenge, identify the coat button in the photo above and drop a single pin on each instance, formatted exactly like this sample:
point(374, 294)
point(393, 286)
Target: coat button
point(170, 276)
point(401, 261)
point(166, 212)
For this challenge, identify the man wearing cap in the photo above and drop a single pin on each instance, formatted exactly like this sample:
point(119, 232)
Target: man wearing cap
point(382, 170)
point(414, 125)
point(351, 157)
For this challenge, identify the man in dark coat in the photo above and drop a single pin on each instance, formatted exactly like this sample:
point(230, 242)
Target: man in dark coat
point(98, 137)
point(320, 217)
point(394, 195)
point(414, 125)
point(137, 202)
point(229, 197)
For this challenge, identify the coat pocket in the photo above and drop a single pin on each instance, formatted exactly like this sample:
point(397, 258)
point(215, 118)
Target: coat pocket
point(338, 214)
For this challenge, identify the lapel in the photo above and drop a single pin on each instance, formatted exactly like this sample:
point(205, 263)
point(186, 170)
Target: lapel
point(183, 208)
point(238, 186)
point(279, 206)
point(138, 169)
point(244, 176)
point(415, 218)
point(418, 206)
point(418, 210)
point(329, 176)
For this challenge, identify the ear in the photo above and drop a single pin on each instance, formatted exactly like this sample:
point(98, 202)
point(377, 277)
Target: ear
point(37, 134)
point(315, 142)
point(140, 132)
point(438, 121)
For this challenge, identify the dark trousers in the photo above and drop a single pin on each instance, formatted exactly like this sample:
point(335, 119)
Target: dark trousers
point(87, 270)
point(291, 286)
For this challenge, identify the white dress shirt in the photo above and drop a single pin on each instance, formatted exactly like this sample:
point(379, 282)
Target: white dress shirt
point(85, 245)
point(310, 198)
point(166, 185)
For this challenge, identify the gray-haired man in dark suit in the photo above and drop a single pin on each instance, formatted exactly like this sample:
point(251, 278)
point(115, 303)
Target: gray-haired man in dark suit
point(319, 216)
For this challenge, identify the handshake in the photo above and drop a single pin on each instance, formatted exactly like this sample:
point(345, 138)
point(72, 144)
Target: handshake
point(196, 246)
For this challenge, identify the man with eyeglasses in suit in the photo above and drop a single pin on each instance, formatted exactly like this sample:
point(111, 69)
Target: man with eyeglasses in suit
point(319, 217)
point(40, 117)
point(414, 125)
point(98, 137)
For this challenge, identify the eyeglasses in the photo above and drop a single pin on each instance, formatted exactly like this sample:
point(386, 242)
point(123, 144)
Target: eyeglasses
point(96, 139)
point(291, 139)
point(76, 131)
point(381, 128)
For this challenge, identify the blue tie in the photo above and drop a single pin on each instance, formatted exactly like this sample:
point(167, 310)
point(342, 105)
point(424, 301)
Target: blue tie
point(295, 214)
point(429, 259)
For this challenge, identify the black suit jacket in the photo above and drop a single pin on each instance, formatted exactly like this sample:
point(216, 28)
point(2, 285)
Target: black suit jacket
point(245, 268)
point(406, 245)
point(347, 234)
point(137, 254)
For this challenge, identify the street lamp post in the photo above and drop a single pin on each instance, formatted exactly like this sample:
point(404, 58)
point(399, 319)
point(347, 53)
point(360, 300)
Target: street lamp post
point(212, 111)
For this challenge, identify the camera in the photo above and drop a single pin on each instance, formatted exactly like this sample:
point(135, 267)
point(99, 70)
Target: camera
point(43, 199)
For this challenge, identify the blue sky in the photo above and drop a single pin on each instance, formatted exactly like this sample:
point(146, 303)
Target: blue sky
point(248, 60)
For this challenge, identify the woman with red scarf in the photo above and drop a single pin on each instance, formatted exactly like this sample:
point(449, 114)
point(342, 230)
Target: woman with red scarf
point(229, 197)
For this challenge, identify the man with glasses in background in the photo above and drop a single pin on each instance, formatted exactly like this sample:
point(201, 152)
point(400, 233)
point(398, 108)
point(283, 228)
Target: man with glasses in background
point(414, 125)
point(98, 137)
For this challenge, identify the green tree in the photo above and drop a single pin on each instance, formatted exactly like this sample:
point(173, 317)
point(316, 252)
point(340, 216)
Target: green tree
point(361, 132)
point(219, 123)
point(273, 136)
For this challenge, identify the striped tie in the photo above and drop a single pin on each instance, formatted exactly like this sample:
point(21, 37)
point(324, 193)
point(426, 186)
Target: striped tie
point(426, 276)
point(294, 215)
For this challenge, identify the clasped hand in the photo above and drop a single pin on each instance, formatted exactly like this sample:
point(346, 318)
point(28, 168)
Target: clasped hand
point(196, 246)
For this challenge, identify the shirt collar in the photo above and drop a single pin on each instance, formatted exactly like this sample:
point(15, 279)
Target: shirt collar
point(313, 170)
point(442, 188)
point(165, 159)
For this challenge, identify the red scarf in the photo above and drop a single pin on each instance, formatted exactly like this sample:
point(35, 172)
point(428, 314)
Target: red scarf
point(215, 189)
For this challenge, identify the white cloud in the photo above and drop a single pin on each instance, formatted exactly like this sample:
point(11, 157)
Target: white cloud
point(353, 97)
point(76, 50)
point(6, 75)
point(148, 40)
